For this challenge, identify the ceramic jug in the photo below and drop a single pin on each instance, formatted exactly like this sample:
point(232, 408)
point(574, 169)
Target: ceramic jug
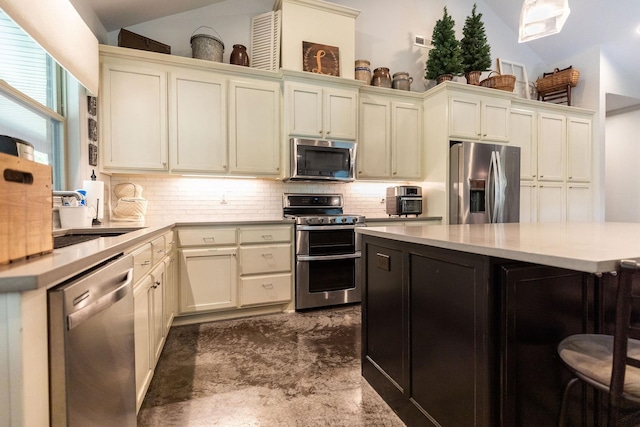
point(239, 55)
point(381, 77)
point(402, 80)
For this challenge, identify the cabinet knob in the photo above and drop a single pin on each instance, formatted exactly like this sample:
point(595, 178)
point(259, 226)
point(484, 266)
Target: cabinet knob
point(328, 132)
point(147, 262)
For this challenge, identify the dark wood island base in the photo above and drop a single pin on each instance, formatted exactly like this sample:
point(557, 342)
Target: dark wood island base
point(454, 339)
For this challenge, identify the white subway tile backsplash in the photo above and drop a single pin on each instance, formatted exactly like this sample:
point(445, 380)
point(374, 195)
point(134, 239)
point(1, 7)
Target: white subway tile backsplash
point(208, 199)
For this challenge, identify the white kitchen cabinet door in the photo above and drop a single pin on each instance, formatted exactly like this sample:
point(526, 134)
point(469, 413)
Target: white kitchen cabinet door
point(578, 203)
point(479, 118)
point(157, 311)
point(254, 128)
point(142, 337)
point(464, 118)
point(552, 142)
point(495, 120)
point(340, 113)
point(267, 289)
point(170, 283)
point(406, 141)
point(265, 259)
point(551, 202)
point(208, 279)
point(304, 109)
point(374, 147)
point(197, 123)
point(317, 112)
point(578, 149)
point(528, 202)
point(524, 135)
point(133, 109)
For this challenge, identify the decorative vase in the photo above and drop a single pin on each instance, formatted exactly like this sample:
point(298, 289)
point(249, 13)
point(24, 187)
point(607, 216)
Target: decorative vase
point(363, 70)
point(473, 77)
point(381, 77)
point(239, 56)
point(402, 80)
point(444, 77)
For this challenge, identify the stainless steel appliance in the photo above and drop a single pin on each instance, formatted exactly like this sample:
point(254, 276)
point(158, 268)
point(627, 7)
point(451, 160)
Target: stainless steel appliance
point(327, 250)
point(16, 147)
point(404, 200)
point(484, 183)
point(91, 348)
point(314, 159)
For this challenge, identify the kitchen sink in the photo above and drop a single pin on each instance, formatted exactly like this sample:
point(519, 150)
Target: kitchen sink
point(75, 236)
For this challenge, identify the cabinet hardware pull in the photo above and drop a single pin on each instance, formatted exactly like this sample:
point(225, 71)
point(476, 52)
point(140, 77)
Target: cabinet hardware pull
point(267, 256)
point(267, 237)
point(159, 251)
point(267, 285)
point(156, 285)
point(147, 262)
point(209, 239)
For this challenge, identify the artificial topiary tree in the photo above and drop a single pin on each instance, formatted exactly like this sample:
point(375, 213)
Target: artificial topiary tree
point(476, 52)
point(446, 56)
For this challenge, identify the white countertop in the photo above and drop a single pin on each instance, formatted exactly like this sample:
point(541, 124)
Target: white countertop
point(50, 269)
point(588, 247)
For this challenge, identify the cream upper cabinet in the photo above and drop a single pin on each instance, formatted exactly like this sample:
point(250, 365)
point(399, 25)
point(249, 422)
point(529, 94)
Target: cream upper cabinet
point(390, 138)
point(315, 111)
point(524, 135)
point(133, 117)
point(578, 149)
point(552, 143)
point(479, 118)
point(197, 126)
point(254, 127)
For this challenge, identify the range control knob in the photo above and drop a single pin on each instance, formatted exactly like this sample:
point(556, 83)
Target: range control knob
point(309, 220)
point(320, 220)
point(344, 219)
point(355, 220)
point(332, 220)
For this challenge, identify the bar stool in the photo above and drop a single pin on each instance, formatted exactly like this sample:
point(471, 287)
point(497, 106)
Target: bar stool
point(609, 363)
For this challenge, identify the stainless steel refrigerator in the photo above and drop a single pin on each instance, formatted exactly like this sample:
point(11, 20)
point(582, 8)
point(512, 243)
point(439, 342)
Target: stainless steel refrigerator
point(484, 183)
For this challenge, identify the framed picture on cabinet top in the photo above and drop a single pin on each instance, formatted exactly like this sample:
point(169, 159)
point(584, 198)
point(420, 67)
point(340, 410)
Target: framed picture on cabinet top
point(522, 82)
point(321, 59)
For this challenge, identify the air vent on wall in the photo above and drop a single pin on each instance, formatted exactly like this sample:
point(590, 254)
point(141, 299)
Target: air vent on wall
point(265, 41)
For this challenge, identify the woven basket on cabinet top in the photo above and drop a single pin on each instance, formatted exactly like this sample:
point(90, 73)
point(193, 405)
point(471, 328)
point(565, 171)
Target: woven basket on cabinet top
point(501, 81)
point(558, 79)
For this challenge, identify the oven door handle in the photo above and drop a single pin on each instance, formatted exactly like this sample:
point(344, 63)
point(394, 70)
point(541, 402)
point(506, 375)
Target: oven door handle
point(327, 227)
point(328, 257)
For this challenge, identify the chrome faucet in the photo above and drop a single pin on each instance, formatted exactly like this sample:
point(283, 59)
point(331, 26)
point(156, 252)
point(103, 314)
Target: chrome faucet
point(68, 194)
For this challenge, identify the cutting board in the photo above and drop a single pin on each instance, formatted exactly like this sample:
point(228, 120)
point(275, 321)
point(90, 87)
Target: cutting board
point(25, 208)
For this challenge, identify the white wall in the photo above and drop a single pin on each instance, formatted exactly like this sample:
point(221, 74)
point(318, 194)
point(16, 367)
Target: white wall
point(622, 152)
point(384, 31)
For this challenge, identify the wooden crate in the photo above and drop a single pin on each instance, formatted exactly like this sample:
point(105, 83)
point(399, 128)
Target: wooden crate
point(26, 225)
point(132, 40)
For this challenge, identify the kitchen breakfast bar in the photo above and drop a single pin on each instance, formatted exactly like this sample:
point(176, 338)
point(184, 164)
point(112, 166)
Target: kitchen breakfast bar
point(460, 323)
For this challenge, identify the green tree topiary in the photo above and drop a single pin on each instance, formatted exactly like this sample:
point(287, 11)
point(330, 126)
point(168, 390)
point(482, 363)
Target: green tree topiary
point(446, 56)
point(476, 52)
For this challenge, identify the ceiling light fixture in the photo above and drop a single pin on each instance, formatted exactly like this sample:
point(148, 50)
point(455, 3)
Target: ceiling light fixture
point(541, 18)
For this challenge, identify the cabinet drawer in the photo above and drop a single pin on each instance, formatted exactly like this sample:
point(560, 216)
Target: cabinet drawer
point(266, 289)
point(159, 250)
point(266, 234)
point(142, 261)
point(265, 259)
point(169, 242)
point(207, 236)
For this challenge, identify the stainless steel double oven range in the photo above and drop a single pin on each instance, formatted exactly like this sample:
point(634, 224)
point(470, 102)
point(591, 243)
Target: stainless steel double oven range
point(327, 250)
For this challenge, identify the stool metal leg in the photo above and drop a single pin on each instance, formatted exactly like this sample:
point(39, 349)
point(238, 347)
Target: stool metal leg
point(565, 397)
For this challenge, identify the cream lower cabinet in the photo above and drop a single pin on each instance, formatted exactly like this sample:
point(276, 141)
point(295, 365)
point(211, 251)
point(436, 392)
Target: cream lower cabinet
point(551, 202)
point(390, 142)
point(266, 265)
point(142, 337)
point(231, 269)
point(579, 203)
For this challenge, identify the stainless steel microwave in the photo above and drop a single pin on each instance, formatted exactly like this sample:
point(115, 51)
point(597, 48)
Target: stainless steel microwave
point(321, 160)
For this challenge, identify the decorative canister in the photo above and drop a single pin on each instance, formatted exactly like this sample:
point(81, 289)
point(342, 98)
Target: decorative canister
point(363, 70)
point(205, 46)
point(381, 77)
point(239, 55)
point(402, 81)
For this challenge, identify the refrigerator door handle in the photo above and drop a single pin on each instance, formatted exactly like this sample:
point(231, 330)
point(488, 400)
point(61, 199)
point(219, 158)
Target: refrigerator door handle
point(491, 189)
point(500, 189)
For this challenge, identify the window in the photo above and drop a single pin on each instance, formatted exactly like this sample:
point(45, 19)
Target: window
point(30, 94)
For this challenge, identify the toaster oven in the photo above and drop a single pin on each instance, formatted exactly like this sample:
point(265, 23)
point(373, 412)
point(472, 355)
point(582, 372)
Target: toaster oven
point(404, 200)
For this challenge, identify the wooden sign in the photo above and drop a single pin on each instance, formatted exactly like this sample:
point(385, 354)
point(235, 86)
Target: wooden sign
point(321, 59)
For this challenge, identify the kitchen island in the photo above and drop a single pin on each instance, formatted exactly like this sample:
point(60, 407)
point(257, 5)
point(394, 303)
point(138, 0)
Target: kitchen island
point(461, 322)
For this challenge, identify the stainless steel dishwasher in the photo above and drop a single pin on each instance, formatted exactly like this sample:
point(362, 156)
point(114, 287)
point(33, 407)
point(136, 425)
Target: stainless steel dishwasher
point(91, 347)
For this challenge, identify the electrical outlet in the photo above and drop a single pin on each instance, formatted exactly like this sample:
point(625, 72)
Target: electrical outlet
point(382, 201)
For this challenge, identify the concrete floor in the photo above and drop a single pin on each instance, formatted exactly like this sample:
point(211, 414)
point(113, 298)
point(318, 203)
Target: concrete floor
point(290, 369)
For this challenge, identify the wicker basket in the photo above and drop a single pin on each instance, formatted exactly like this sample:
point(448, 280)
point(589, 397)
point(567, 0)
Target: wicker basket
point(501, 81)
point(557, 80)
